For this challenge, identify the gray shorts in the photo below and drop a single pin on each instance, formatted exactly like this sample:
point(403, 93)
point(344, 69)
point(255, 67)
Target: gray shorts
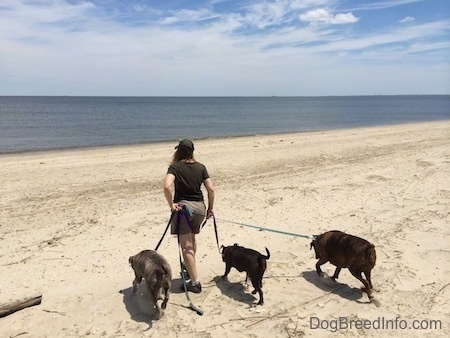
point(197, 210)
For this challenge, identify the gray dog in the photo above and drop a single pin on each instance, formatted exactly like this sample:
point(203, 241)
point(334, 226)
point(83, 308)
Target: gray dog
point(248, 260)
point(156, 271)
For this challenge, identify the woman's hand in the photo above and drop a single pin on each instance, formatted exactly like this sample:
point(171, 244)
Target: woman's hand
point(176, 207)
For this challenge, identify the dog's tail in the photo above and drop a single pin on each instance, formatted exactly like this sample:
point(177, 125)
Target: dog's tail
point(268, 254)
point(313, 245)
point(371, 254)
point(313, 242)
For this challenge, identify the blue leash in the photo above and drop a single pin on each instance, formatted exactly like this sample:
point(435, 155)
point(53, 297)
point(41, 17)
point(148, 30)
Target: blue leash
point(265, 229)
point(183, 275)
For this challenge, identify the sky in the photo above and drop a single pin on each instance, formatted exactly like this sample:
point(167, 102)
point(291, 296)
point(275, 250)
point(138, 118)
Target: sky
point(224, 47)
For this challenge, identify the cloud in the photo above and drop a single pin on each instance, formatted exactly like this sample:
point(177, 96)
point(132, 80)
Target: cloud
point(324, 16)
point(303, 4)
point(232, 48)
point(407, 19)
point(374, 5)
point(187, 15)
point(264, 14)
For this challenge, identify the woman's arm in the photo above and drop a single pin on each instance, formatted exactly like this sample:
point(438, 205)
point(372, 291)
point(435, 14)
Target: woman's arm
point(168, 184)
point(210, 189)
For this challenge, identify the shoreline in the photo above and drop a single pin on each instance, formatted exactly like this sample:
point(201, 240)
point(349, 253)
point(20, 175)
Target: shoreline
point(161, 142)
point(69, 220)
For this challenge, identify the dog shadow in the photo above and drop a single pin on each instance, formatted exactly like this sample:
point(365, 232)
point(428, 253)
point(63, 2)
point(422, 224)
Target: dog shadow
point(328, 285)
point(138, 305)
point(235, 290)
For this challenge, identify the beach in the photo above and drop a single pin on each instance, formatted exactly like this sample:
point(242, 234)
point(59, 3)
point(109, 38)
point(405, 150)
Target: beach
point(70, 219)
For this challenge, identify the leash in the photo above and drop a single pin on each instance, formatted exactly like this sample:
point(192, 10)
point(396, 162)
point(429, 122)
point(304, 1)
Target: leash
point(167, 227)
point(215, 230)
point(182, 273)
point(259, 228)
point(183, 277)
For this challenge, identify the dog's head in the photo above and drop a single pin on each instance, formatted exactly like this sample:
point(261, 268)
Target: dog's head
point(226, 250)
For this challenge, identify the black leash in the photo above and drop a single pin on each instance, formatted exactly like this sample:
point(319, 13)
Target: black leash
point(215, 230)
point(167, 227)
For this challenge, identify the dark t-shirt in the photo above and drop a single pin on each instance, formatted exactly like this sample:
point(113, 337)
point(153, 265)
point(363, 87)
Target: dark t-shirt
point(188, 180)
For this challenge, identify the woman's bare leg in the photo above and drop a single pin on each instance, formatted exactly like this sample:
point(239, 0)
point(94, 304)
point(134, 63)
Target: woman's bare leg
point(188, 244)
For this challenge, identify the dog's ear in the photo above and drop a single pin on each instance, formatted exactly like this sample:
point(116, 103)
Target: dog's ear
point(130, 260)
point(221, 248)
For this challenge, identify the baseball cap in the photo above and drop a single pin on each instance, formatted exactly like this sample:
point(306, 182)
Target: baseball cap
point(185, 144)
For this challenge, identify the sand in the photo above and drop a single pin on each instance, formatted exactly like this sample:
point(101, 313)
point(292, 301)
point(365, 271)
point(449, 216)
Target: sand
point(70, 219)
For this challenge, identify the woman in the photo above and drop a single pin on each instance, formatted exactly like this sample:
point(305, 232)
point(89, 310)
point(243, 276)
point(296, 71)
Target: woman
point(188, 175)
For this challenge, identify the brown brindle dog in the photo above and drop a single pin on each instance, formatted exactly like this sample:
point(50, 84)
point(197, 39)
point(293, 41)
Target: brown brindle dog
point(156, 271)
point(346, 251)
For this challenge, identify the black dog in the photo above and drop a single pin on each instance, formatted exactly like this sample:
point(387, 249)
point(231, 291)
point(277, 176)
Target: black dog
point(248, 260)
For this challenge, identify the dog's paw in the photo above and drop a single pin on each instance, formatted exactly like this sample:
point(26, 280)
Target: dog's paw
point(375, 301)
point(329, 281)
point(324, 275)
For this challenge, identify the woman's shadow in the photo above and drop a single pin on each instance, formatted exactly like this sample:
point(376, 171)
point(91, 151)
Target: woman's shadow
point(328, 285)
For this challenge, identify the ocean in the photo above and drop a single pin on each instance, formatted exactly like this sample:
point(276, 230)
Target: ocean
point(32, 123)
